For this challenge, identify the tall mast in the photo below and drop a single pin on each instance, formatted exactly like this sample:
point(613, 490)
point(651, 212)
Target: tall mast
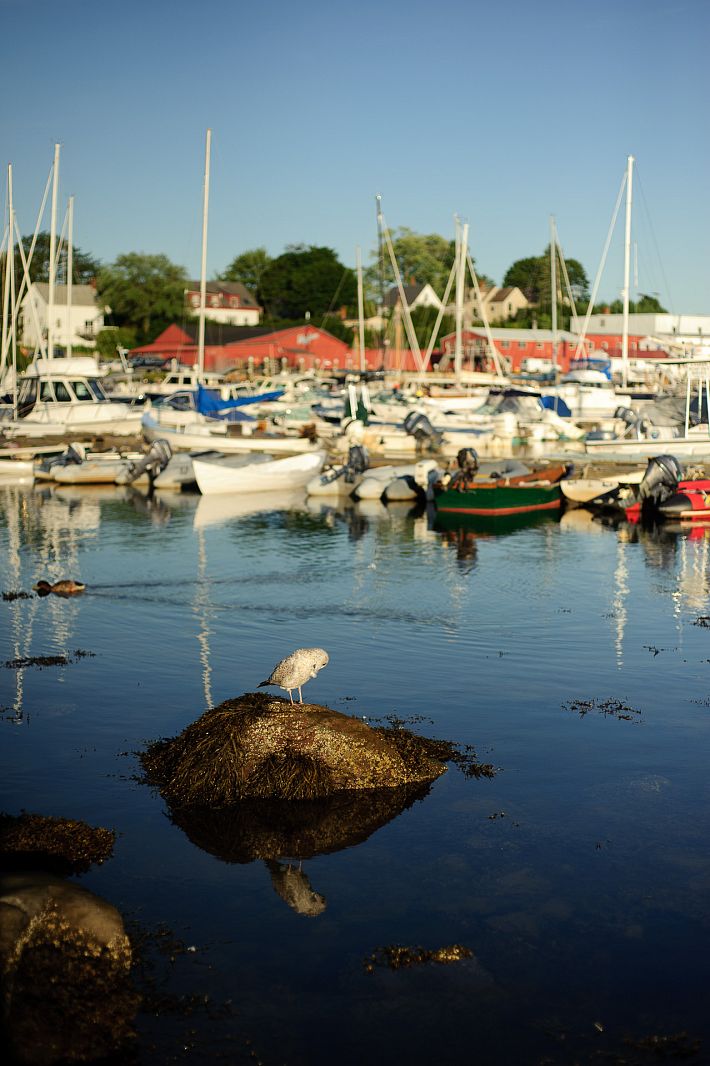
point(203, 267)
point(627, 267)
point(9, 258)
point(460, 279)
point(360, 307)
point(381, 265)
point(70, 274)
point(52, 253)
point(553, 289)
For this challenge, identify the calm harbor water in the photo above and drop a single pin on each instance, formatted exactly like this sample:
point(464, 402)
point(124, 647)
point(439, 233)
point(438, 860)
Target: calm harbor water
point(567, 654)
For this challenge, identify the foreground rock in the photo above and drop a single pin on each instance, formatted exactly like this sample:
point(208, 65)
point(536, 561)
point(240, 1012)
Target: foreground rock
point(264, 747)
point(65, 966)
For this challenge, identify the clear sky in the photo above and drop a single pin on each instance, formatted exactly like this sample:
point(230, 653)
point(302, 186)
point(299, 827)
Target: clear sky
point(502, 113)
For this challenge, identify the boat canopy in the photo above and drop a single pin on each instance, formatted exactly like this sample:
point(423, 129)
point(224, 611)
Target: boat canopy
point(209, 402)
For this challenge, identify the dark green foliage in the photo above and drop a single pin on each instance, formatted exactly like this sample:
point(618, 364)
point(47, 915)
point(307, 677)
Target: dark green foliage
point(84, 267)
point(307, 279)
point(108, 340)
point(144, 292)
point(248, 268)
point(532, 276)
point(644, 305)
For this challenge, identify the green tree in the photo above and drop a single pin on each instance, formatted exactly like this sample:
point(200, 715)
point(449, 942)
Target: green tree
point(532, 276)
point(426, 258)
point(144, 292)
point(644, 305)
point(248, 268)
point(306, 279)
point(84, 267)
point(108, 340)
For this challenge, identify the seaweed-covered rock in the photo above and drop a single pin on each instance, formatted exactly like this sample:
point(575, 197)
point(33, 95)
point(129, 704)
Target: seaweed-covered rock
point(61, 844)
point(260, 746)
point(65, 969)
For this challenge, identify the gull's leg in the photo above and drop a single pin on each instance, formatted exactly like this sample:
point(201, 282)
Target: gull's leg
point(300, 693)
point(290, 695)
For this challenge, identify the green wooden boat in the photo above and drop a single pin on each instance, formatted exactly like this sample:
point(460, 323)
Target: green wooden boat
point(537, 490)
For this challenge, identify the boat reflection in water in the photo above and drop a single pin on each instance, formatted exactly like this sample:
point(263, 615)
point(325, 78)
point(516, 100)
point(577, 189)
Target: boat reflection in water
point(461, 532)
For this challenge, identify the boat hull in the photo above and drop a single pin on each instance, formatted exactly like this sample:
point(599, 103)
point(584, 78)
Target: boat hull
point(281, 474)
point(500, 500)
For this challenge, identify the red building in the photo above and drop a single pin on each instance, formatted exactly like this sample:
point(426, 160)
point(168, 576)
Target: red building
point(514, 345)
point(232, 347)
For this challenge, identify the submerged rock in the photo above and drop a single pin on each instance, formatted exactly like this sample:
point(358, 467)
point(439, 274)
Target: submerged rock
point(264, 747)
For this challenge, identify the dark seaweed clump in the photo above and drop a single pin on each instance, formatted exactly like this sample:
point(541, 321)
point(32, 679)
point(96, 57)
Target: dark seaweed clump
point(412, 747)
point(398, 957)
point(63, 845)
point(10, 596)
point(47, 660)
point(610, 708)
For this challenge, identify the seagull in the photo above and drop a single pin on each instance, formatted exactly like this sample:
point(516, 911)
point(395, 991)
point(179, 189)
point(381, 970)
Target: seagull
point(296, 669)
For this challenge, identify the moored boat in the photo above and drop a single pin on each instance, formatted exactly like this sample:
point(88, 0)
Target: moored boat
point(291, 473)
point(502, 488)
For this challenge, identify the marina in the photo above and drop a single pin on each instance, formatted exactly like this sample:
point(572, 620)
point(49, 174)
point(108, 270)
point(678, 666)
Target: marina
point(354, 537)
point(571, 655)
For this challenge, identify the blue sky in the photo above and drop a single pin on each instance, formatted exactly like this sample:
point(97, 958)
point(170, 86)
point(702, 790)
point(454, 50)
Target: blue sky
point(500, 113)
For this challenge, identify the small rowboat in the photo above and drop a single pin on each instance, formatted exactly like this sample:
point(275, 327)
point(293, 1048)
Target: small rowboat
point(488, 494)
point(292, 473)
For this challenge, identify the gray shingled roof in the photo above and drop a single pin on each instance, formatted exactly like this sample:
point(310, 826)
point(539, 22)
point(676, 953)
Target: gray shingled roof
point(81, 295)
point(410, 293)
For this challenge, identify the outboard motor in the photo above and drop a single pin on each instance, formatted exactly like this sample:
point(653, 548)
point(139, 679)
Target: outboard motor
point(152, 463)
point(417, 425)
point(660, 480)
point(467, 459)
point(358, 462)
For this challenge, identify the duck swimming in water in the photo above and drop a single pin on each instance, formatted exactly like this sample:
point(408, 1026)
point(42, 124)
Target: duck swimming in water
point(59, 588)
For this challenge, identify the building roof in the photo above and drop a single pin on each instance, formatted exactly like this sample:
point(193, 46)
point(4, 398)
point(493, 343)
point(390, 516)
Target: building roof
point(219, 333)
point(227, 288)
point(536, 336)
point(502, 294)
point(81, 295)
point(410, 294)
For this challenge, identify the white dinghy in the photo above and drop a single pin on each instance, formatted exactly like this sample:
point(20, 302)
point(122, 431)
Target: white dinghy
point(292, 473)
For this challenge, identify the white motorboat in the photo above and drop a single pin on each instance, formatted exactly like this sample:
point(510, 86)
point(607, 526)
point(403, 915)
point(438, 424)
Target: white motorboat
point(582, 490)
point(193, 435)
point(293, 472)
point(58, 397)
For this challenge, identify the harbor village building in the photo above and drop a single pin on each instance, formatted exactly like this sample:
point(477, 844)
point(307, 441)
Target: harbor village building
point(228, 303)
point(76, 324)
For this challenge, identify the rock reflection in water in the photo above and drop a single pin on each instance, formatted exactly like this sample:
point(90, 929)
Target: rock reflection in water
point(278, 830)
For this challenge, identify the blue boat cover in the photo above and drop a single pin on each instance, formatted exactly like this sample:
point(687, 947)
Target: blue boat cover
point(209, 402)
point(554, 403)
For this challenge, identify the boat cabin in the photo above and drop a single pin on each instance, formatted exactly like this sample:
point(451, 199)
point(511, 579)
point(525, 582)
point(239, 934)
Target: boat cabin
point(60, 381)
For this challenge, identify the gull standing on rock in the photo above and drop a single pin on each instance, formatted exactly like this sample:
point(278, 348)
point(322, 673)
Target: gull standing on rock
point(296, 669)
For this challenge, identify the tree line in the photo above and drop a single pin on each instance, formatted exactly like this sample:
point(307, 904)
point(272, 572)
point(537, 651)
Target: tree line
point(145, 293)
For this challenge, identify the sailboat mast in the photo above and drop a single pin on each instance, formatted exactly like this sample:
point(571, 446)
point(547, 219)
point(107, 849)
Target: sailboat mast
point(460, 279)
point(52, 253)
point(381, 266)
point(553, 289)
point(70, 274)
point(360, 308)
point(627, 269)
point(9, 258)
point(203, 266)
